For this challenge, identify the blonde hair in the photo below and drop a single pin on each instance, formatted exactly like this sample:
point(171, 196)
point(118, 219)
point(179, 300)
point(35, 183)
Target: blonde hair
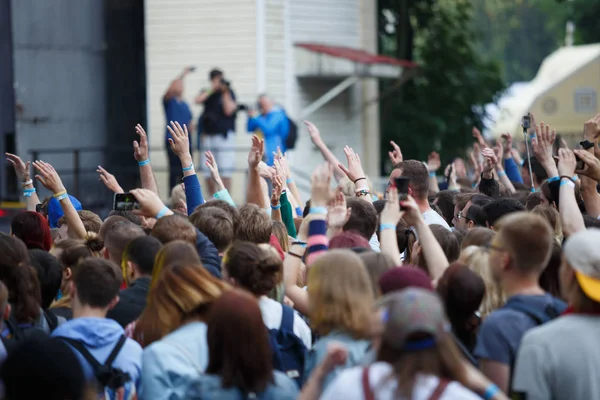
point(340, 294)
point(348, 187)
point(477, 258)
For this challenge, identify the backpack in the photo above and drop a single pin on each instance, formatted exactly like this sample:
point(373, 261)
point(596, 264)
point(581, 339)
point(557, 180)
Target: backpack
point(116, 383)
point(292, 137)
point(289, 351)
point(21, 331)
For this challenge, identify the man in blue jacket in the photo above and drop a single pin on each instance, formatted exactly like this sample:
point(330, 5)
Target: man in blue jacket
point(273, 124)
point(94, 291)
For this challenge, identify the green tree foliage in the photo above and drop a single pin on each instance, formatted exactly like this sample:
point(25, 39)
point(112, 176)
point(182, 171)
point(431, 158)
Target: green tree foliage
point(436, 110)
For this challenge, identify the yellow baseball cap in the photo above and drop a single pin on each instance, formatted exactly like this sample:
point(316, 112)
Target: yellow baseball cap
point(582, 252)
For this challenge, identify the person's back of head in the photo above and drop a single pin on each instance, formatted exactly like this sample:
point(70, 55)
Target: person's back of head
point(49, 274)
point(20, 279)
point(481, 200)
point(232, 211)
point(462, 292)
point(254, 226)
point(363, 217)
point(445, 201)
point(174, 227)
point(96, 284)
point(241, 356)
point(553, 217)
point(448, 240)
point(216, 224)
point(478, 236)
point(140, 255)
point(108, 224)
point(500, 208)
point(128, 215)
point(535, 199)
point(117, 237)
point(32, 229)
point(461, 200)
point(252, 268)
point(528, 240)
point(550, 278)
point(91, 221)
point(416, 171)
point(377, 264)
point(43, 367)
point(476, 215)
point(349, 240)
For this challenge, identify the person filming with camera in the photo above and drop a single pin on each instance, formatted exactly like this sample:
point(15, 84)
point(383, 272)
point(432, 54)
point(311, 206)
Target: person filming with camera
point(217, 125)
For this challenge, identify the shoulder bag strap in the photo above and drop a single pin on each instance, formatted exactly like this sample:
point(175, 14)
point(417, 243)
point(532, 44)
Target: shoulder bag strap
point(439, 390)
point(287, 318)
point(367, 392)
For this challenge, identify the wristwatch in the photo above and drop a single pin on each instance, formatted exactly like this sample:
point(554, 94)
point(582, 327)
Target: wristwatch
point(586, 144)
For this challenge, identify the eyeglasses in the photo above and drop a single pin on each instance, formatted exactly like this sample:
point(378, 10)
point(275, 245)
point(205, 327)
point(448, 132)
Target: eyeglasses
point(459, 215)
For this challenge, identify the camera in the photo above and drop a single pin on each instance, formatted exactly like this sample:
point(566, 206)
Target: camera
point(526, 122)
point(225, 83)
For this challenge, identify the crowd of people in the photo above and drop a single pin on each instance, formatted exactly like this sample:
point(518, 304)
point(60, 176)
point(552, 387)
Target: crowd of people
point(467, 286)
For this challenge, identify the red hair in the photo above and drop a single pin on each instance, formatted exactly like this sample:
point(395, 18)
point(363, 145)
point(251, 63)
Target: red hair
point(349, 240)
point(33, 229)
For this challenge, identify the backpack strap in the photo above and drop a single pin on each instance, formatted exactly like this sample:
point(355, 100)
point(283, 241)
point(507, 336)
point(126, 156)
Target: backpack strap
point(115, 352)
point(287, 318)
point(439, 390)
point(78, 345)
point(367, 392)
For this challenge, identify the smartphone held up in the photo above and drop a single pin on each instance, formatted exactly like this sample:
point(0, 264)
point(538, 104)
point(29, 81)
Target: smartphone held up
point(125, 202)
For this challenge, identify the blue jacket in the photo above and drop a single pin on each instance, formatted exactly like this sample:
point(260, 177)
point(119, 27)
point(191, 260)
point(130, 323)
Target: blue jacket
point(100, 335)
point(210, 387)
point(275, 127)
point(209, 255)
point(171, 364)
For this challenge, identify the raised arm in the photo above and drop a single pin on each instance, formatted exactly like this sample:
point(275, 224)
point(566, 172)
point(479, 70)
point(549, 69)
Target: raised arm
point(498, 158)
point(315, 136)
point(390, 216)
point(254, 190)
point(542, 147)
point(276, 199)
point(23, 173)
point(109, 180)
point(173, 89)
point(590, 176)
point(356, 174)
point(229, 104)
point(433, 164)
point(142, 156)
point(571, 218)
point(48, 177)
point(180, 144)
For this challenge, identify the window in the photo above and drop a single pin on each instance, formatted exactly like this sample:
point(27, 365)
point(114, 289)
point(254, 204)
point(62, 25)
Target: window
point(585, 101)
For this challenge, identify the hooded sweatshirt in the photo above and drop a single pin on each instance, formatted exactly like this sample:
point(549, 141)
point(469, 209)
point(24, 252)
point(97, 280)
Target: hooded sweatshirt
point(100, 336)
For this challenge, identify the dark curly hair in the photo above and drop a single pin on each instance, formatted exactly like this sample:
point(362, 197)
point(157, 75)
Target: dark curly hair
point(253, 268)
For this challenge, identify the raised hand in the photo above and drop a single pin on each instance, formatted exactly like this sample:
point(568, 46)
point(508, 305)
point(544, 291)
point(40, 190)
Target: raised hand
point(508, 144)
point(212, 166)
point(283, 161)
point(257, 151)
point(499, 152)
point(479, 137)
point(314, 133)
point(277, 190)
point(542, 143)
point(109, 180)
point(140, 149)
point(150, 203)
point(281, 173)
point(591, 129)
point(391, 213)
point(433, 162)
point(354, 170)
point(321, 185)
point(566, 162)
point(48, 177)
point(337, 212)
point(491, 160)
point(180, 140)
point(21, 168)
point(396, 154)
point(412, 215)
point(591, 165)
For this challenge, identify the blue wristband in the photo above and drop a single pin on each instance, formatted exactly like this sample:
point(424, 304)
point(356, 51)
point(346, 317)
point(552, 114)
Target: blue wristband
point(432, 175)
point(575, 178)
point(553, 179)
point(490, 392)
point(28, 192)
point(318, 210)
point(62, 197)
point(145, 162)
point(289, 180)
point(277, 207)
point(191, 167)
point(383, 227)
point(162, 212)
point(566, 183)
point(501, 173)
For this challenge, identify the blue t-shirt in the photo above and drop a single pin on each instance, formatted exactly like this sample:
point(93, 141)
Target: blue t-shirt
point(501, 332)
point(176, 111)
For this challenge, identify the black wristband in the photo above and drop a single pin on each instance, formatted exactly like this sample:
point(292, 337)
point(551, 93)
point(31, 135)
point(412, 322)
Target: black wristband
point(360, 179)
point(295, 255)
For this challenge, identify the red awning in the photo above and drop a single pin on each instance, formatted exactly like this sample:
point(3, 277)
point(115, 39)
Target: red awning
point(355, 55)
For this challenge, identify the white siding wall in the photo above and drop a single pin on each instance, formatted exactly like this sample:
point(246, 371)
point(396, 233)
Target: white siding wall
point(275, 49)
point(338, 23)
point(206, 34)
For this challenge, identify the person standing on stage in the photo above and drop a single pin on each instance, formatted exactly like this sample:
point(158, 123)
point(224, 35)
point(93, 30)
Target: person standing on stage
point(176, 110)
point(217, 125)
